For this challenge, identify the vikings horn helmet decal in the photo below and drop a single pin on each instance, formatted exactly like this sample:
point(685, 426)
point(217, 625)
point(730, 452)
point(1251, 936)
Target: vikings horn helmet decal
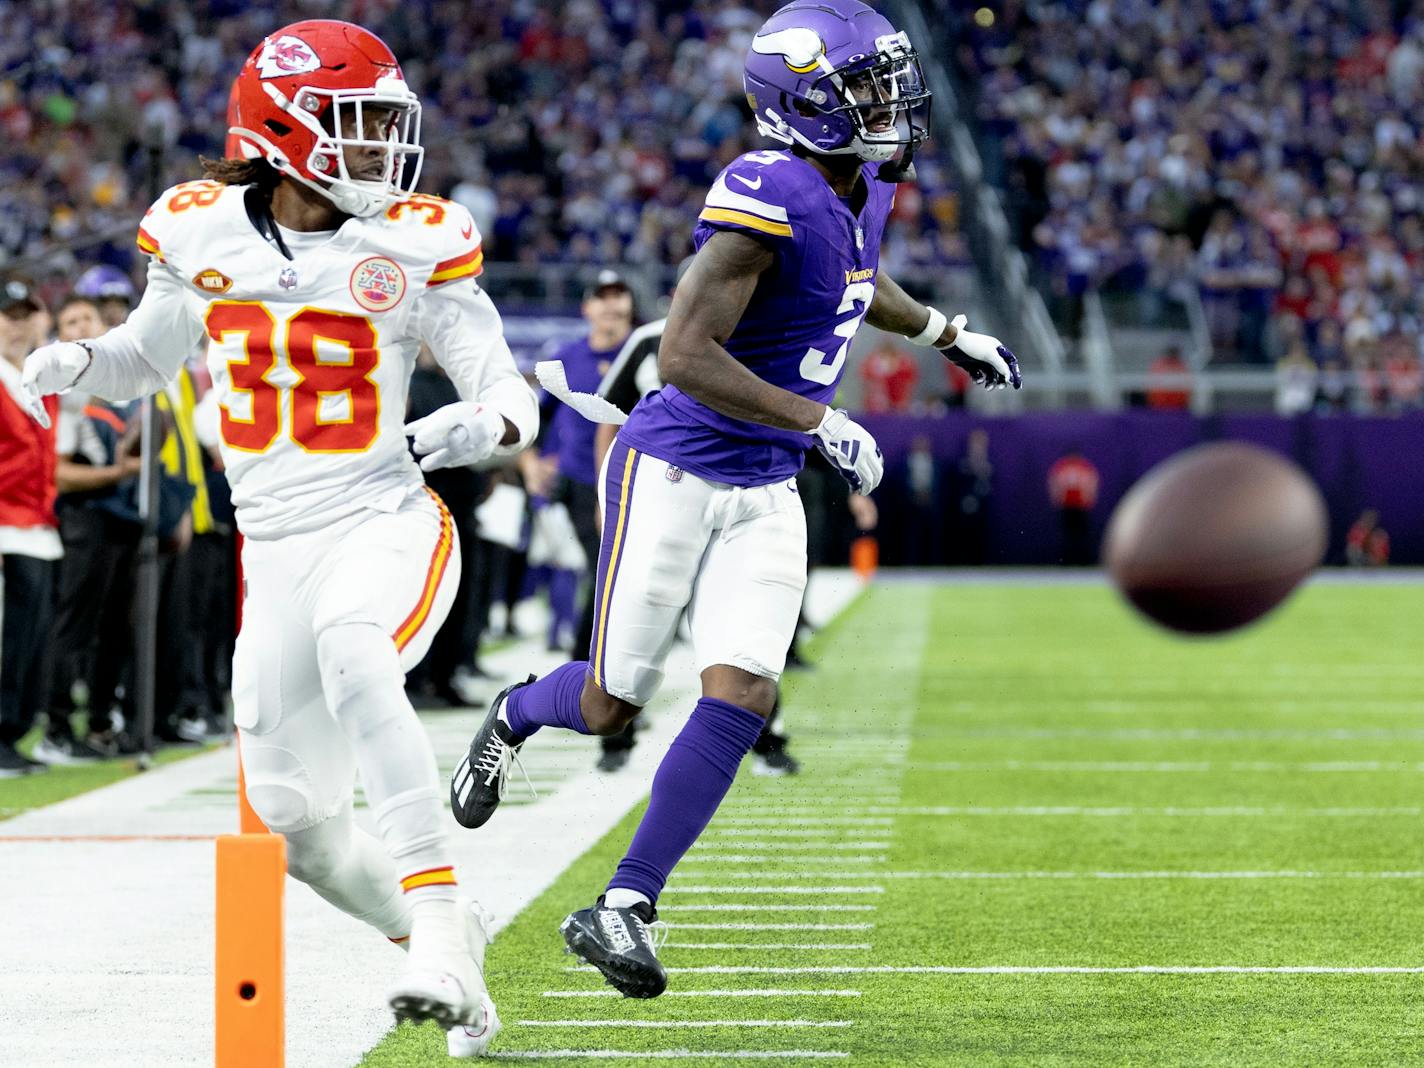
point(836, 78)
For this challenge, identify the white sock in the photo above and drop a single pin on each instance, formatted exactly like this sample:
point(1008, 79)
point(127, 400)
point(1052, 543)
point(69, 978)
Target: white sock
point(619, 898)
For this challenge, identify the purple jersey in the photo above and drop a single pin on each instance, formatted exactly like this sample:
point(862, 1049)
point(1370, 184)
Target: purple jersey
point(798, 326)
point(585, 366)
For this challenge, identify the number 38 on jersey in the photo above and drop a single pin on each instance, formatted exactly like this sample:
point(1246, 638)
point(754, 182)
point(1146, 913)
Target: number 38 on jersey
point(320, 360)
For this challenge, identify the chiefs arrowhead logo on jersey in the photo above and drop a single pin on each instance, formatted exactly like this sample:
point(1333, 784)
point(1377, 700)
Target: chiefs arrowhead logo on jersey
point(212, 281)
point(377, 283)
point(286, 55)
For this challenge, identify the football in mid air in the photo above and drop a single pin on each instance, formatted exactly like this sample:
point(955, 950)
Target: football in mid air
point(1215, 537)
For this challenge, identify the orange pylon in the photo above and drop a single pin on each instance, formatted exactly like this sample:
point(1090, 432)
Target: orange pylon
point(251, 870)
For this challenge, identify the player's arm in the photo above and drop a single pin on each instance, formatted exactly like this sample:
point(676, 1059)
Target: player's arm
point(497, 413)
point(706, 308)
point(985, 358)
point(138, 357)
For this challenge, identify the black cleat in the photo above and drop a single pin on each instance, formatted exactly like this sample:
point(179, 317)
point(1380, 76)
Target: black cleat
point(620, 943)
point(611, 760)
point(771, 757)
point(478, 785)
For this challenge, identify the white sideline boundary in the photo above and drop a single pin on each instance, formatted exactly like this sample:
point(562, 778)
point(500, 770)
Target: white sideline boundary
point(112, 964)
point(677, 1024)
point(1067, 969)
point(669, 1055)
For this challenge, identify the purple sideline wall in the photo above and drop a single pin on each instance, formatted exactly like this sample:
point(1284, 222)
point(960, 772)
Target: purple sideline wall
point(1358, 462)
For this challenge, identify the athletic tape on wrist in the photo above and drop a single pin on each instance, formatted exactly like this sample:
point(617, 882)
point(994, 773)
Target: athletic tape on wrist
point(933, 329)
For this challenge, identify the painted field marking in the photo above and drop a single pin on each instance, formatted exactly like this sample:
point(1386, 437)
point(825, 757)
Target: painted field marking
point(824, 946)
point(826, 890)
point(675, 1024)
point(772, 993)
point(1167, 766)
point(1171, 811)
point(769, 858)
point(809, 818)
point(773, 926)
point(1069, 969)
point(669, 1055)
point(771, 832)
point(1280, 874)
point(809, 906)
point(1344, 734)
point(711, 842)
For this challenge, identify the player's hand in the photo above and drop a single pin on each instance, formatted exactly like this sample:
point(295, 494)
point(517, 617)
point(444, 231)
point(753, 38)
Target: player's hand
point(456, 435)
point(984, 357)
point(851, 450)
point(51, 368)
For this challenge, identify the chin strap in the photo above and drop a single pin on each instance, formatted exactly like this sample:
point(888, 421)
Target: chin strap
point(898, 171)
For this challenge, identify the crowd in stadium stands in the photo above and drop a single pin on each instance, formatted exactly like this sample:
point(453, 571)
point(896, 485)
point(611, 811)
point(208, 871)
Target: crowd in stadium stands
point(586, 136)
point(1267, 152)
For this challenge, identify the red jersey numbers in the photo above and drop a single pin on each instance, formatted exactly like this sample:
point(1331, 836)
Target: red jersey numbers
point(195, 195)
point(324, 386)
point(433, 208)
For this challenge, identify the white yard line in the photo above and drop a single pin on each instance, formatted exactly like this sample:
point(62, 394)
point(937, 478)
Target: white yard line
point(769, 858)
point(808, 906)
point(715, 833)
point(669, 1055)
point(771, 993)
point(773, 926)
point(1068, 969)
point(1099, 767)
point(1282, 874)
point(824, 946)
point(1171, 811)
point(807, 817)
point(711, 844)
point(672, 1025)
point(826, 891)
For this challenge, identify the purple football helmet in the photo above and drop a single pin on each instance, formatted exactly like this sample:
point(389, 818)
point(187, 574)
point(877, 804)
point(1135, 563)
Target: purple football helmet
point(834, 77)
point(102, 282)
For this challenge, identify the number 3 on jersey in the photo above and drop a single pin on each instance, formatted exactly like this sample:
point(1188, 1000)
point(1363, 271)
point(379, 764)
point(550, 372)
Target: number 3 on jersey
point(315, 378)
point(814, 367)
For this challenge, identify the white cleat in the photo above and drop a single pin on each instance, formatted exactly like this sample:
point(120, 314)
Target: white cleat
point(446, 984)
point(467, 1041)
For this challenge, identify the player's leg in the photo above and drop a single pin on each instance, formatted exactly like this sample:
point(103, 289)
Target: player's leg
point(743, 610)
point(655, 530)
point(297, 764)
point(377, 599)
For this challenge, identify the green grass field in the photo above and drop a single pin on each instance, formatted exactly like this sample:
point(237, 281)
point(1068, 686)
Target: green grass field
point(1018, 777)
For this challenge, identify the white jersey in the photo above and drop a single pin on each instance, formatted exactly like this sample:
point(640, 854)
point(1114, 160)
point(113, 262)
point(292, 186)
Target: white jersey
point(311, 357)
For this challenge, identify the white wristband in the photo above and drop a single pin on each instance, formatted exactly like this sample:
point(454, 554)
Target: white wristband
point(933, 329)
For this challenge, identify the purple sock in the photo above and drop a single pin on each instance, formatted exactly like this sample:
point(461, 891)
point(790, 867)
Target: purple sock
point(552, 701)
point(689, 785)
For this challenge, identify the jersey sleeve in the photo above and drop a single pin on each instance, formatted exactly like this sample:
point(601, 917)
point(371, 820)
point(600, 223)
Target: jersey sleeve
point(454, 239)
point(752, 198)
point(160, 227)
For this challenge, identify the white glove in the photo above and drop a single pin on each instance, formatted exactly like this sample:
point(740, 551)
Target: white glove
point(984, 357)
point(851, 450)
point(51, 368)
point(456, 435)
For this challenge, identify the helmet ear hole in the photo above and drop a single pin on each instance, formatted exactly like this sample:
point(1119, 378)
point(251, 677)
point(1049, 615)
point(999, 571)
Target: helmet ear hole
point(281, 129)
point(803, 108)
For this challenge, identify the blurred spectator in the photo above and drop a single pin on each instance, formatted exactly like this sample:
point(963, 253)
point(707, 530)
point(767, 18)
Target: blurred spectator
point(888, 375)
point(29, 531)
point(110, 289)
point(922, 487)
point(608, 309)
point(1367, 543)
point(1296, 382)
point(1165, 391)
point(974, 477)
point(1073, 489)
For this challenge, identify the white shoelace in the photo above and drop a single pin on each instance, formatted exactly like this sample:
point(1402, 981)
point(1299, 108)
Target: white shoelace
point(495, 760)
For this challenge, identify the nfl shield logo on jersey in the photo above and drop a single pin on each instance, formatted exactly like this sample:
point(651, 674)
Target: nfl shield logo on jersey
point(377, 283)
point(287, 279)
